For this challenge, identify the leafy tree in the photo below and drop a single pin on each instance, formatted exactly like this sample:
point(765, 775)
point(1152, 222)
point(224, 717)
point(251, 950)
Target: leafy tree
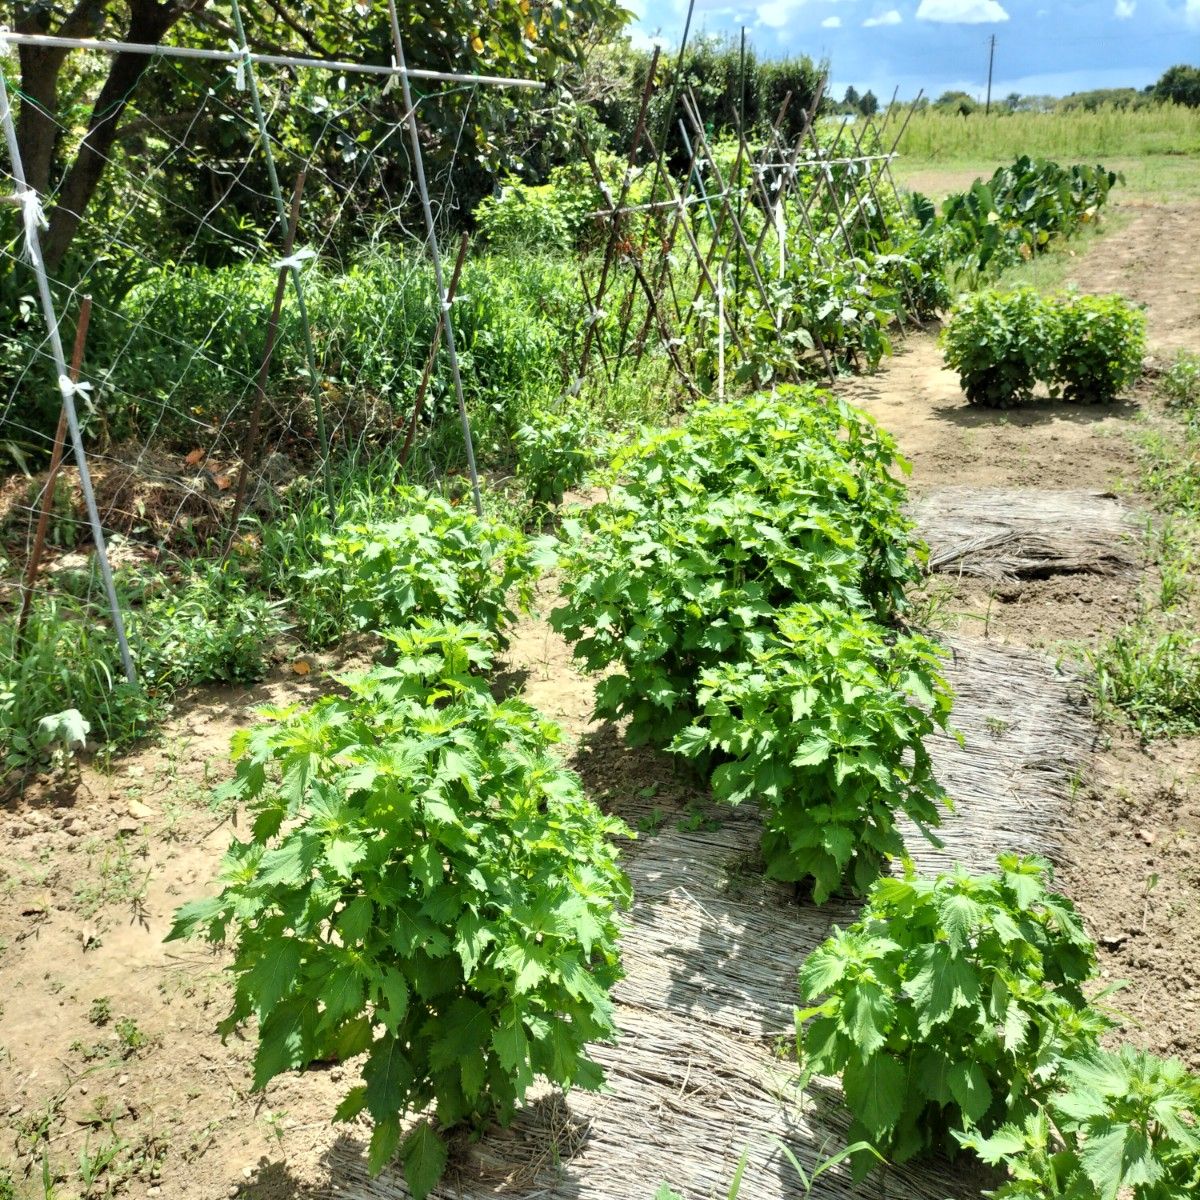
point(851, 98)
point(507, 37)
point(959, 102)
point(1180, 85)
point(869, 104)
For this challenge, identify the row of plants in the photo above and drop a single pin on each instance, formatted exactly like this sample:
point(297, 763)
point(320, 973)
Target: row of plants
point(963, 1012)
point(1088, 349)
point(423, 885)
point(1018, 212)
point(742, 588)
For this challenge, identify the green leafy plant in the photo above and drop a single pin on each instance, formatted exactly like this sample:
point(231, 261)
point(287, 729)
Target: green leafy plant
point(1102, 340)
point(1121, 1124)
point(555, 450)
point(1001, 344)
point(208, 628)
point(949, 1005)
point(425, 885)
point(1180, 382)
point(436, 560)
point(1152, 675)
point(824, 725)
point(711, 528)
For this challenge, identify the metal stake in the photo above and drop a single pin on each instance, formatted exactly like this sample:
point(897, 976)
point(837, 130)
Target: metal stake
point(68, 395)
point(414, 136)
point(56, 457)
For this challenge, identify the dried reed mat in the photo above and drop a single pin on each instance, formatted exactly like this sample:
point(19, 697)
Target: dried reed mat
point(712, 949)
point(1022, 533)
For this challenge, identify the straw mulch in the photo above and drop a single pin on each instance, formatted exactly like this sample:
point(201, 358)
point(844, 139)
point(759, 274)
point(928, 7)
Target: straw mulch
point(1016, 533)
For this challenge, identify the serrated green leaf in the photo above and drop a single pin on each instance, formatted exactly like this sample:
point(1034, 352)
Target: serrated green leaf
point(424, 1160)
point(875, 1091)
point(969, 1086)
point(272, 976)
point(385, 1139)
point(389, 1076)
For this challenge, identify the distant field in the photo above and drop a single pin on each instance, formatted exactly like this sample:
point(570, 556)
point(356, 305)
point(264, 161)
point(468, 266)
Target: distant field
point(1113, 133)
point(1157, 149)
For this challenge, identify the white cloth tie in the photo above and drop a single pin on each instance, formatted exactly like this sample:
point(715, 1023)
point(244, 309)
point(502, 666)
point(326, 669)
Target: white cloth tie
point(296, 261)
point(70, 389)
point(239, 68)
point(34, 218)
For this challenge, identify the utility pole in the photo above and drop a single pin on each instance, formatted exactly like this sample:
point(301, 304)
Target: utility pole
point(987, 112)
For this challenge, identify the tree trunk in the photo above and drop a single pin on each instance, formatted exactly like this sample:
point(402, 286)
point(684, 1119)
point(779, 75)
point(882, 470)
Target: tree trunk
point(149, 22)
point(37, 128)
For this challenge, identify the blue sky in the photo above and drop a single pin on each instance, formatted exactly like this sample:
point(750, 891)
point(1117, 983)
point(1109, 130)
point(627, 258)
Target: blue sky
point(1042, 46)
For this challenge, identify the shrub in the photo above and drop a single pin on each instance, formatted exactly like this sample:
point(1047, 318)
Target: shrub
point(424, 885)
point(824, 725)
point(1001, 344)
point(949, 1004)
point(714, 526)
point(1102, 340)
point(437, 560)
point(209, 628)
point(1120, 1124)
point(555, 450)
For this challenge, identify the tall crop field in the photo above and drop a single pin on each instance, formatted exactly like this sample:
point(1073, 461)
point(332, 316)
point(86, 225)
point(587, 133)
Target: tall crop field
point(1106, 133)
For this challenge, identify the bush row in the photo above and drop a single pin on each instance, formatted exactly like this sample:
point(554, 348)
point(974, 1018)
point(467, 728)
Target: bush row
point(1087, 349)
point(742, 587)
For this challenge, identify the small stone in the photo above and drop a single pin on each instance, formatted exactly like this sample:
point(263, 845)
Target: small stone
point(123, 1081)
point(127, 826)
point(247, 1172)
point(135, 771)
point(1147, 836)
point(1113, 941)
point(143, 812)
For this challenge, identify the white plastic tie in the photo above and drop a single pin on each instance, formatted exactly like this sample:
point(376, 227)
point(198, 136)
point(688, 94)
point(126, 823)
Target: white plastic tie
point(296, 261)
point(393, 80)
point(597, 314)
point(6, 47)
point(72, 390)
point(239, 67)
point(34, 218)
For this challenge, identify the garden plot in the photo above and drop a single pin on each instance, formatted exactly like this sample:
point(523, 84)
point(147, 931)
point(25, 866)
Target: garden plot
point(711, 948)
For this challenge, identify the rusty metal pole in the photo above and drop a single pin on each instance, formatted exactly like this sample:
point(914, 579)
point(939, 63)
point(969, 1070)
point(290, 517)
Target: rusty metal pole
point(60, 440)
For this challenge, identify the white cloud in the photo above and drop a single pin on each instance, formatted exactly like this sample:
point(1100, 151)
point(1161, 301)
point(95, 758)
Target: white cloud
point(832, 23)
point(891, 17)
point(775, 14)
point(1125, 9)
point(1191, 13)
point(966, 12)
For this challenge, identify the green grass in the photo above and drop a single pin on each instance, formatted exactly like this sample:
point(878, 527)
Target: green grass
point(1149, 671)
